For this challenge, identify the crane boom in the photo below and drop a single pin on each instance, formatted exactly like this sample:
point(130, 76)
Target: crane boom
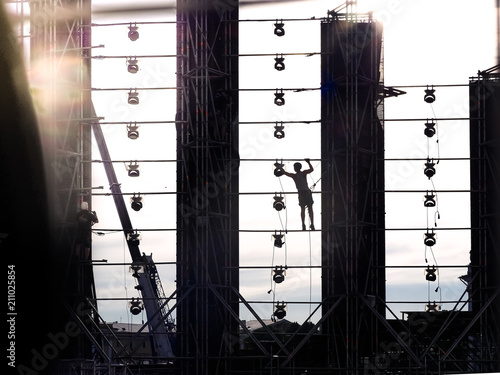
point(148, 279)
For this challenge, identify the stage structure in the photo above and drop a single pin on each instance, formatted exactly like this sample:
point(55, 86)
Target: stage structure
point(207, 185)
point(59, 58)
point(352, 153)
point(483, 279)
point(353, 335)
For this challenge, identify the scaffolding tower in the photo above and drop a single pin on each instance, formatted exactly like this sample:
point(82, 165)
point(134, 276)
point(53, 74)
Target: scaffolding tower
point(483, 282)
point(60, 44)
point(353, 335)
point(207, 184)
point(353, 223)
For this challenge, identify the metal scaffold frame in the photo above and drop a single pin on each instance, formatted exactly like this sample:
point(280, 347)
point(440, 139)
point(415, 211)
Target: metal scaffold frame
point(207, 177)
point(60, 42)
point(353, 335)
point(483, 283)
point(353, 253)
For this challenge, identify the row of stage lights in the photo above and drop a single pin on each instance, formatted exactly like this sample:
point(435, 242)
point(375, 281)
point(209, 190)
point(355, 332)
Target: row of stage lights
point(133, 129)
point(279, 272)
point(133, 170)
point(136, 202)
point(430, 199)
point(133, 63)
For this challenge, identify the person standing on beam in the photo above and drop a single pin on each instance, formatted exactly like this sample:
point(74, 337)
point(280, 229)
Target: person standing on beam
point(305, 194)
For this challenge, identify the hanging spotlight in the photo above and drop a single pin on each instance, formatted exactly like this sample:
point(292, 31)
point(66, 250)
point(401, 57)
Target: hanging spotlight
point(278, 240)
point(133, 34)
point(278, 203)
point(279, 131)
point(280, 310)
point(430, 238)
point(432, 307)
point(279, 98)
point(133, 169)
point(279, 171)
point(136, 270)
point(133, 131)
point(136, 202)
point(279, 63)
point(278, 28)
point(429, 96)
point(135, 306)
point(429, 169)
point(279, 274)
point(430, 200)
point(133, 97)
point(132, 65)
point(430, 129)
point(134, 238)
point(430, 273)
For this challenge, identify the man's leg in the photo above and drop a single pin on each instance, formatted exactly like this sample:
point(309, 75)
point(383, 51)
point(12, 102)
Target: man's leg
point(303, 216)
point(311, 216)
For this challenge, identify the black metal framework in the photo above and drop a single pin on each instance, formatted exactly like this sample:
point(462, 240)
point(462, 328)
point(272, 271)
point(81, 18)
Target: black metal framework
point(207, 184)
point(60, 42)
point(352, 148)
point(353, 334)
point(483, 279)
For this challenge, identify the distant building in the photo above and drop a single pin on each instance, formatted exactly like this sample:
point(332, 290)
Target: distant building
point(127, 340)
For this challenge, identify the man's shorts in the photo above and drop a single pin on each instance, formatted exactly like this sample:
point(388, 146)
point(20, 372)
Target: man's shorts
point(305, 198)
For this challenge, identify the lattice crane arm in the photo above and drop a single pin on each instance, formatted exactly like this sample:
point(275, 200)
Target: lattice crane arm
point(148, 283)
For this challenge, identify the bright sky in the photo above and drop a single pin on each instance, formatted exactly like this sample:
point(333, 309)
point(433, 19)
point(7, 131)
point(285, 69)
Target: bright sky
point(425, 43)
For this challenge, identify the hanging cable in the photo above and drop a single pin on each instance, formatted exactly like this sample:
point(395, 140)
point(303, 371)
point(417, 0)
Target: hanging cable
point(437, 132)
point(125, 272)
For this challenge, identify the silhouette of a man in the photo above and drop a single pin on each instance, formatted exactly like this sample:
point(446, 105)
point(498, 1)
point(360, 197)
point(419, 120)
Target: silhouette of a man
point(305, 194)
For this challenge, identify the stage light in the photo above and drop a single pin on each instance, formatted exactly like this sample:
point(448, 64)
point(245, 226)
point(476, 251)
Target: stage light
point(132, 65)
point(430, 238)
point(278, 240)
point(429, 169)
point(134, 238)
point(279, 171)
point(279, 98)
point(136, 203)
point(279, 63)
point(279, 131)
point(133, 98)
point(133, 131)
point(136, 270)
point(430, 200)
point(430, 129)
point(279, 274)
point(279, 28)
point(135, 306)
point(133, 169)
point(432, 307)
point(278, 203)
point(430, 273)
point(429, 96)
point(133, 34)
point(280, 310)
